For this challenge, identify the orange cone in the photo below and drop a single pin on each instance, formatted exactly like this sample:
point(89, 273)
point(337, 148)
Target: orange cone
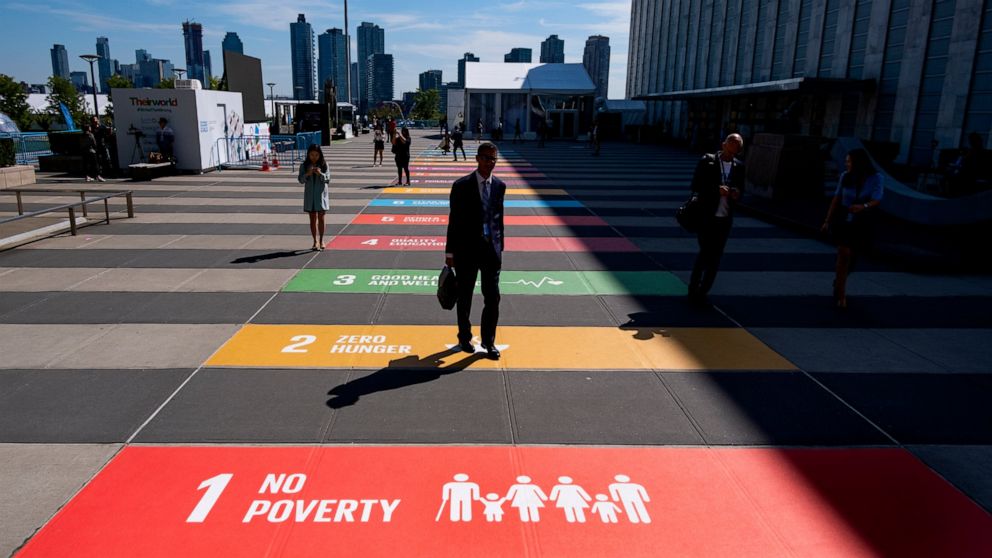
point(275, 160)
point(265, 163)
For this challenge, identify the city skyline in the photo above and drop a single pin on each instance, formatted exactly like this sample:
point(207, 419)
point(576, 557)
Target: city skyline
point(433, 37)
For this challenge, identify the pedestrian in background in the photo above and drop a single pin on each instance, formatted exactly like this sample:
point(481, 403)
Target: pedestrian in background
point(401, 151)
point(719, 183)
point(478, 131)
point(90, 157)
point(516, 132)
point(458, 140)
point(314, 177)
point(850, 218)
point(379, 144)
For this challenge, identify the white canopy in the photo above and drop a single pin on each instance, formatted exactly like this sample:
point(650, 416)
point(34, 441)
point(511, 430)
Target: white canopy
point(556, 79)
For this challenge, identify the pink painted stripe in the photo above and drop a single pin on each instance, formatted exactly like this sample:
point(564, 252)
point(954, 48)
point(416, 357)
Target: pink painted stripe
point(513, 244)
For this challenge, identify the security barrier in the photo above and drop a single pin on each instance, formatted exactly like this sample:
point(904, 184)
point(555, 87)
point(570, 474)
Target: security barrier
point(255, 152)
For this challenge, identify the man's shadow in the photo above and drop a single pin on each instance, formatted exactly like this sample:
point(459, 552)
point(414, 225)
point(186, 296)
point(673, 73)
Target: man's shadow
point(644, 325)
point(400, 373)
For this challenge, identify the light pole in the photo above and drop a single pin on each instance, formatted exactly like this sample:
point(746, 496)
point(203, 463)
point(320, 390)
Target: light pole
point(347, 52)
point(179, 71)
point(272, 100)
point(91, 58)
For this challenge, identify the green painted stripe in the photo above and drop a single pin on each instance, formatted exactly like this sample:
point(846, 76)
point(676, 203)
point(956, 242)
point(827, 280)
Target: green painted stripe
point(423, 281)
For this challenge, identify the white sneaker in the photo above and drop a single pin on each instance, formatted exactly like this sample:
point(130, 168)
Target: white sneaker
point(89, 179)
point(101, 179)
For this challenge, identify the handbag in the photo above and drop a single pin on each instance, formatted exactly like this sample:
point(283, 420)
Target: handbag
point(447, 288)
point(689, 214)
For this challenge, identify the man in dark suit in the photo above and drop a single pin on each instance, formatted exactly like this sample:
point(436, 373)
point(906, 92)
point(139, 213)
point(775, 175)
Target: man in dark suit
point(719, 183)
point(474, 246)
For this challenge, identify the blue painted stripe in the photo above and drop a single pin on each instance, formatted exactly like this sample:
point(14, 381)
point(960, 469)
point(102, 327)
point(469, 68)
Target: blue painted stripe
point(386, 202)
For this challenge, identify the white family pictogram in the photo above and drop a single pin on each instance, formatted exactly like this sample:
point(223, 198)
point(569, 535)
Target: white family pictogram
point(460, 496)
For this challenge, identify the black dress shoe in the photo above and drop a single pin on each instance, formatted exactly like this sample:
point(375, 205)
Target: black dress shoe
point(492, 352)
point(466, 346)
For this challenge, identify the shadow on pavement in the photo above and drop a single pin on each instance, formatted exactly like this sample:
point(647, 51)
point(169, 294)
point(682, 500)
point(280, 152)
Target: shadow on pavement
point(400, 373)
point(269, 256)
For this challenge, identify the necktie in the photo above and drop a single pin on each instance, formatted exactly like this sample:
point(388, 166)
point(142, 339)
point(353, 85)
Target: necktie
point(486, 213)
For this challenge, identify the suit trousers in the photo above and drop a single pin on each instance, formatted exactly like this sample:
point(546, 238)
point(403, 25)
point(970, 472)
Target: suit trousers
point(712, 240)
point(468, 267)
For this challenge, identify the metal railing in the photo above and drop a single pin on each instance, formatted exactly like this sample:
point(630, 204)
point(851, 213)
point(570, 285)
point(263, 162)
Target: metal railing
point(29, 146)
point(71, 207)
point(250, 152)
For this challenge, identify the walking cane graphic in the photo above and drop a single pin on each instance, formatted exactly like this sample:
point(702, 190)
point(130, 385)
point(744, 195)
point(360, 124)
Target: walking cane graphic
point(441, 509)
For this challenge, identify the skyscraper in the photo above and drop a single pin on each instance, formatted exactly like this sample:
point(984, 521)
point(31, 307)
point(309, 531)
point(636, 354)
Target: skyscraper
point(596, 59)
point(518, 55)
point(371, 40)
point(379, 78)
point(552, 50)
point(431, 79)
point(233, 43)
point(80, 81)
point(332, 62)
point(469, 57)
point(60, 61)
point(193, 39)
point(302, 43)
point(208, 69)
point(105, 64)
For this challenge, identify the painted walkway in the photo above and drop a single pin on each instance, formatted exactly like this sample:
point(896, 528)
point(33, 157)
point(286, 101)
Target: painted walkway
point(196, 382)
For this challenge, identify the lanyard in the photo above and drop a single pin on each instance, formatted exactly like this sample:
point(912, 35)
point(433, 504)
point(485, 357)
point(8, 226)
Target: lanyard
point(726, 174)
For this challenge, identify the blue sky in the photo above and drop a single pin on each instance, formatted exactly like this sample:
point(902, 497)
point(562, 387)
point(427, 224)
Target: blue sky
point(421, 35)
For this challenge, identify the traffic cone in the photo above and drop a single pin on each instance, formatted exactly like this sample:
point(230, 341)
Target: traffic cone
point(265, 163)
point(275, 160)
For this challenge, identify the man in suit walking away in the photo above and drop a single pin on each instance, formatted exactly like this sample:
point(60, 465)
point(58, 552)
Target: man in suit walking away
point(719, 183)
point(474, 246)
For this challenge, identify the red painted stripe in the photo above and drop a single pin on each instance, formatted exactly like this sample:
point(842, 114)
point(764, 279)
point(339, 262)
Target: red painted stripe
point(700, 502)
point(509, 220)
point(513, 243)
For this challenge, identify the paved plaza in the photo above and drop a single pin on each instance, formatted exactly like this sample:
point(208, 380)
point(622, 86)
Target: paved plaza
point(196, 381)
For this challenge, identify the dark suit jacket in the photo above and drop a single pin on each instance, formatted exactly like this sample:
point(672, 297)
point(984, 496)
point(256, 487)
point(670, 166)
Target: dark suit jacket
point(465, 217)
point(707, 178)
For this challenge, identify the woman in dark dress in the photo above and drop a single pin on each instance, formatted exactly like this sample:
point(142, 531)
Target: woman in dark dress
point(401, 150)
point(851, 216)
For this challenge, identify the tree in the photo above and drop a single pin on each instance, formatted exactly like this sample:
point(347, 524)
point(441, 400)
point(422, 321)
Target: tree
point(426, 104)
point(116, 81)
point(167, 83)
point(64, 92)
point(42, 118)
point(14, 102)
point(216, 84)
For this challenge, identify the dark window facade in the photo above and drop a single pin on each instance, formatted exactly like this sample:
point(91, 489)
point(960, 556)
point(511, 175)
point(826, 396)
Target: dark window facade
point(888, 85)
point(978, 115)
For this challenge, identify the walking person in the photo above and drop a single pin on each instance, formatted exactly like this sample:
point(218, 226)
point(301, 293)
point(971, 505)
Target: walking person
point(445, 144)
point(719, 183)
point(104, 136)
point(517, 138)
point(401, 151)
point(594, 138)
point(478, 131)
point(851, 215)
point(378, 143)
point(474, 246)
point(458, 140)
point(314, 177)
point(90, 157)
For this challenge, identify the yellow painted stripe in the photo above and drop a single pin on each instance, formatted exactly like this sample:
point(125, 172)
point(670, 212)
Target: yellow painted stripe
point(523, 348)
point(509, 191)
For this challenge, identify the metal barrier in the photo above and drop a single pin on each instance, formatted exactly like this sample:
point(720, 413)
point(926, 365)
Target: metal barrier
point(29, 146)
point(84, 201)
point(251, 152)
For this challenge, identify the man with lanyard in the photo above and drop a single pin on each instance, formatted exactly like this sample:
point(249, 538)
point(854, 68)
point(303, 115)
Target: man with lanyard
point(474, 246)
point(719, 183)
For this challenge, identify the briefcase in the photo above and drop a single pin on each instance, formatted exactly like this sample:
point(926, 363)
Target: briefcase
point(447, 288)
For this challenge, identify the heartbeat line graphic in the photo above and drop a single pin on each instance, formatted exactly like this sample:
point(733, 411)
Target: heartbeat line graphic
point(536, 285)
